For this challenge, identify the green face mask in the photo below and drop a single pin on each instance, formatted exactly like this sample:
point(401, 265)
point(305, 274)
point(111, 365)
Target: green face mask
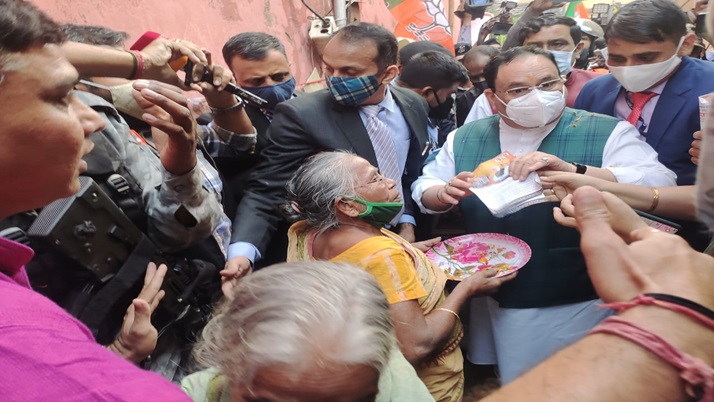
point(379, 213)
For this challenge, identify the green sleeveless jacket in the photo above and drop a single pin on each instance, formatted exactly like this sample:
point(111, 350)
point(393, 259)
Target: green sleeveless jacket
point(556, 273)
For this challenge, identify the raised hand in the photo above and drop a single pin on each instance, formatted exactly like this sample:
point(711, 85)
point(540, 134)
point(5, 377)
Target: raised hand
point(166, 110)
point(138, 336)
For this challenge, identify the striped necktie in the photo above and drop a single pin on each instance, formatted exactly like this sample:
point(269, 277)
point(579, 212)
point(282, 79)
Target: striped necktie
point(384, 148)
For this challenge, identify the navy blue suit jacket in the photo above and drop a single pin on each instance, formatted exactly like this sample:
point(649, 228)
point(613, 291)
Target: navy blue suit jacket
point(675, 118)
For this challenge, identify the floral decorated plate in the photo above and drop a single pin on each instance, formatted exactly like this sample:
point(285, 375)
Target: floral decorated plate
point(461, 256)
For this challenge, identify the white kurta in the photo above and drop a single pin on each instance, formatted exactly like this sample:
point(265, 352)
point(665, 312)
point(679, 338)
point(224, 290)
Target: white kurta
point(480, 109)
point(626, 155)
point(518, 339)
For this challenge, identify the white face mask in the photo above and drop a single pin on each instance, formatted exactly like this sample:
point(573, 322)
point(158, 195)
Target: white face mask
point(536, 109)
point(640, 78)
point(564, 60)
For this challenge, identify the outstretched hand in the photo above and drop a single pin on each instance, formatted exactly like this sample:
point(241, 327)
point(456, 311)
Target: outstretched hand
point(484, 283)
point(236, 268)
point(557, 185)
point(425, 245)
point(138, 336)
point(652, 261)
point(622, 219)
point(456, 189)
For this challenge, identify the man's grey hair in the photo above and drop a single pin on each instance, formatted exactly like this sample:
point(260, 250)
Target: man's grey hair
point(321, 180)
point(296, 316)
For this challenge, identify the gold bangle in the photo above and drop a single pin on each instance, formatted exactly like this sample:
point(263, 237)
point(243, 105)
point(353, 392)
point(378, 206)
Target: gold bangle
point(448, 311)
point(655, 198)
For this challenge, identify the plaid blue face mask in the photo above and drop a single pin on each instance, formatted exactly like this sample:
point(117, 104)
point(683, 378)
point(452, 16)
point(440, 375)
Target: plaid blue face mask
point(352, 91)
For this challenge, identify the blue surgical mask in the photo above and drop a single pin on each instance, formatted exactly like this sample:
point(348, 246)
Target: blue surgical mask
point(564, 60)
point(274, 94)
point(352, 91)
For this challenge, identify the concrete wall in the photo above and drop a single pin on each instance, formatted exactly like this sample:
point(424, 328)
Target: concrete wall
point(210, 23)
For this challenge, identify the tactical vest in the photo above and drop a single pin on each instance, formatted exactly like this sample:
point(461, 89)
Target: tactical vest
point(91, 252)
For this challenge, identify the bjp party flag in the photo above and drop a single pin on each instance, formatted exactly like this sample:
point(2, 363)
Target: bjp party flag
point(577, 9)
point(422, 20)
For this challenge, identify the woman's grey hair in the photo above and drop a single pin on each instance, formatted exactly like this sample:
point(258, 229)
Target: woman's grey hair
point(298, 316)
point(316, 185)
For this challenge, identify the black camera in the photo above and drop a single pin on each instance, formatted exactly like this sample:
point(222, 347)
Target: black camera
point(200, 73)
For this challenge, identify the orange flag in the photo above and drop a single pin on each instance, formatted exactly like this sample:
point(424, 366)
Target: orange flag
point(422, 20)
point(577, 9)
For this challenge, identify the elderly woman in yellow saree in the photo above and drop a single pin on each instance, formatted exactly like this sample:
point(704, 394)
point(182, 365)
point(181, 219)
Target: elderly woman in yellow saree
point(342, 204)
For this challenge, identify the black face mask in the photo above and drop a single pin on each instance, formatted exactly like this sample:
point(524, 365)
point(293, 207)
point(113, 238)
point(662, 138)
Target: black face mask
point(583, 61)
point(443, 109)
point(480, 86)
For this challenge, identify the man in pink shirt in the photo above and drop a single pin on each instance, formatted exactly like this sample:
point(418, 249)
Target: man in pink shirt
point(562, 37)
point(44, 352)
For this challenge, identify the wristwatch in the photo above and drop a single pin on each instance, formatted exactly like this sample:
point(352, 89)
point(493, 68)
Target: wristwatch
point(579, 169)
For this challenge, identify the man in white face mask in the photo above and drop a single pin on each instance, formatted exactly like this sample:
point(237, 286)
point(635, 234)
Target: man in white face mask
point(551, 303)
point(651, 85)
point(562, 37)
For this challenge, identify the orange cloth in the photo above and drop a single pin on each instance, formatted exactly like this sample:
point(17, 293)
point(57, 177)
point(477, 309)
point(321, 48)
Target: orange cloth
point(404, 273)
point(390, 264)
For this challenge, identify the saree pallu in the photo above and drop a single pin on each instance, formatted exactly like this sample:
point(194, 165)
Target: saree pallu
point(404, 273)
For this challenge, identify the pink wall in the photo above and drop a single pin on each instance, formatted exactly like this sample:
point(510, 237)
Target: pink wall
point(210, 23)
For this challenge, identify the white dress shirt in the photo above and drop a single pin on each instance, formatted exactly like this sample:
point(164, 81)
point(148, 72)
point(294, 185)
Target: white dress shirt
point(398, 129)
point(626, 155)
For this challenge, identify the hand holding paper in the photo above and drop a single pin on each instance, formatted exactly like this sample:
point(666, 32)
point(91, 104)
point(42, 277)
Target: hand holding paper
point(501, 192)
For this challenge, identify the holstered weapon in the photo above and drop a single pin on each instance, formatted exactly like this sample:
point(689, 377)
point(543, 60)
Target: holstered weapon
point(109, 255)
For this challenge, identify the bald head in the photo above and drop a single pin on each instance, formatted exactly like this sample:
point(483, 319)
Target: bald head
point(476, 59)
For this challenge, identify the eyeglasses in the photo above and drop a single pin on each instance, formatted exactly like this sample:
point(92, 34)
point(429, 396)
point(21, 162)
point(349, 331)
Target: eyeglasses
point(548, 86)
point(377, 178)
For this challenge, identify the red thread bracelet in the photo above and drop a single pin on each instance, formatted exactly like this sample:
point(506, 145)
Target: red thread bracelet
point(646, 300)
point(697, 375)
